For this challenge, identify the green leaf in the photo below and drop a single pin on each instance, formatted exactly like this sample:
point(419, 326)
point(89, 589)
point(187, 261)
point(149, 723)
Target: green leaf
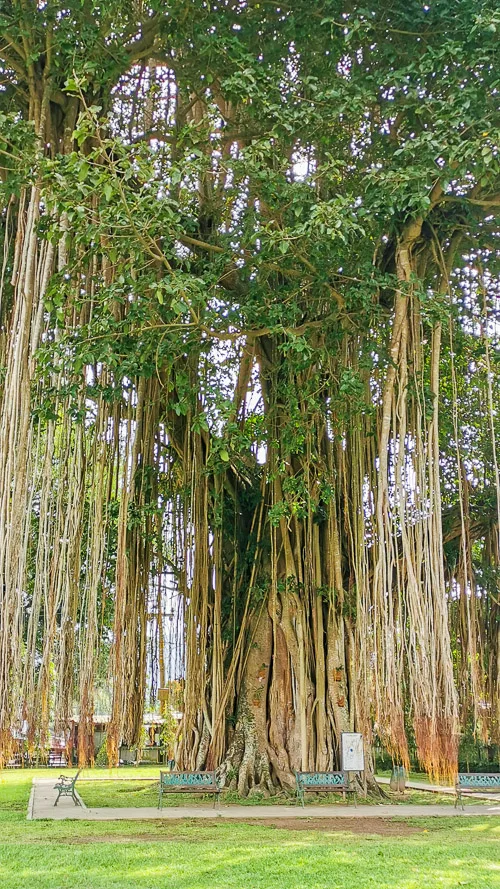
point(71, 85)
point(83, 171)
point(179, 306)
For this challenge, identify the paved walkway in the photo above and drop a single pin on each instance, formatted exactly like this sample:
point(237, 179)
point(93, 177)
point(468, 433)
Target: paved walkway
point(43, 797)
point(438, 788)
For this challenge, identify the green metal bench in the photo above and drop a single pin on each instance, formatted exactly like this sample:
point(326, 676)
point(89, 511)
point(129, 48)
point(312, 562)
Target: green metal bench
point(469, 783)
point(66, 787)
point(188, 782)
point(323, 782)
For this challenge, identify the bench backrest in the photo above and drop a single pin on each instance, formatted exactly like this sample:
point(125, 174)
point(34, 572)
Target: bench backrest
point(65, 781)
point(196, 780)
point(311, 780)
point(478, 780)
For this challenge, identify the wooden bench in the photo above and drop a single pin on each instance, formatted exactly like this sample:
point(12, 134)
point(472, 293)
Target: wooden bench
point(188, 782)
point(469, 783)
point(323, 782)
point(66, 787)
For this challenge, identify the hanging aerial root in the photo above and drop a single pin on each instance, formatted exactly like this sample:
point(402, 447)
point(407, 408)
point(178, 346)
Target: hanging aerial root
point(6, 747)
point(393, 737)
point(437, 746)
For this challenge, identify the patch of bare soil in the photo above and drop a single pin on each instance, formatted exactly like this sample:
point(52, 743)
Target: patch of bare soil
point(362, 826)
point(379, 826)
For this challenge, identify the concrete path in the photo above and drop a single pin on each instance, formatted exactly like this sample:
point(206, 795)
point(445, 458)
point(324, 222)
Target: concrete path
point(437, 788)
point(43, 797)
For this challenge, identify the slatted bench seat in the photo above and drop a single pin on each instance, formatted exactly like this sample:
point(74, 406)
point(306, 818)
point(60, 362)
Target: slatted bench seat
point(323, 782)
point(469, 783)
point(188, 782)
point(66, 787)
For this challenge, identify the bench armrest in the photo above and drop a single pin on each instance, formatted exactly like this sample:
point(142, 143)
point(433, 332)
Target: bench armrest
point(64, 781)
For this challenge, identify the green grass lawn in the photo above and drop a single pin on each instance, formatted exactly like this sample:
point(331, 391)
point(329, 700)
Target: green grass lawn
point(118, 794)
point(421, 777)
point(431, 854)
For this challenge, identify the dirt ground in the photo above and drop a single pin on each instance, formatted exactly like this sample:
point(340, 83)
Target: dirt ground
point(380, 826)
point(373, 826)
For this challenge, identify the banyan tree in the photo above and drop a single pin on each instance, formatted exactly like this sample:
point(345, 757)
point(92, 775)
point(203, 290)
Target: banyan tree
point(249, 357)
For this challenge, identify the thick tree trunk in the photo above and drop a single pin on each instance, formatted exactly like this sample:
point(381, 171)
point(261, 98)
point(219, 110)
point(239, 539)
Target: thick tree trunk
point(247, 765)
point(284, 731)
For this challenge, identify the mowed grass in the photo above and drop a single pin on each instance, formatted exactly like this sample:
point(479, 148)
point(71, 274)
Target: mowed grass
point(432, 854)
point(421, 777)
point(137, 794)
